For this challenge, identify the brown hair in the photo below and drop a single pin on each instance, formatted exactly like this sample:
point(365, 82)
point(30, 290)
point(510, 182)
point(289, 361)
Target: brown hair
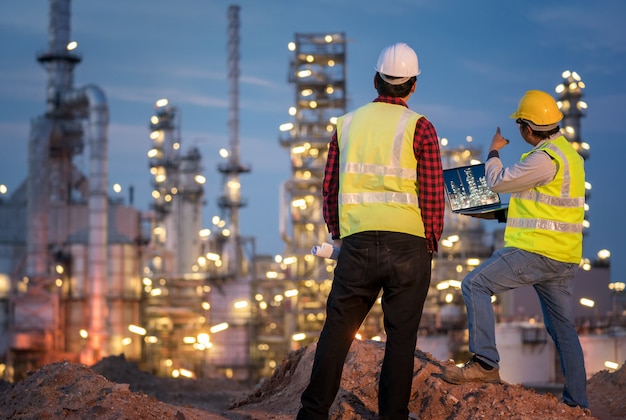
point(397, 91)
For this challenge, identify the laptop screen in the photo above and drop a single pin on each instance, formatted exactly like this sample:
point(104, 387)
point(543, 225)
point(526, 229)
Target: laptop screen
point(466, 188)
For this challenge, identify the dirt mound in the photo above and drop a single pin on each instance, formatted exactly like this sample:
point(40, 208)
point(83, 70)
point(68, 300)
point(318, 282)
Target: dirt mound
point(205, 393)
point(607, 394)
point(116, 389)
point(432, 398)
point(72, 391)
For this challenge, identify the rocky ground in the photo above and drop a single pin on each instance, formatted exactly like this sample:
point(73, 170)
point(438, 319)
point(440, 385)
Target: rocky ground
point(116, 389)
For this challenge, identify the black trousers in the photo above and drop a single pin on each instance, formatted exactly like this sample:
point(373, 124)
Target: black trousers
point(400, 265)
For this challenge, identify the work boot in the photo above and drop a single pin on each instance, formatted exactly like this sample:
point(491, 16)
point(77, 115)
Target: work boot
point(472, 371)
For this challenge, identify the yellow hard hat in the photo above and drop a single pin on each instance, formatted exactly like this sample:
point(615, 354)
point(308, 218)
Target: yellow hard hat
point(540, 109)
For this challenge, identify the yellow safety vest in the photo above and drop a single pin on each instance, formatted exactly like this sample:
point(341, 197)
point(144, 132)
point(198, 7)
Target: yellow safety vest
point(548, 219)
point(377, 170)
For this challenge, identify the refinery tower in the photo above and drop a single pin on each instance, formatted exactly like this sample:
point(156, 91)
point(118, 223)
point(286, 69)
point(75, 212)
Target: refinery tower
point(84, 276)
point(69, 253)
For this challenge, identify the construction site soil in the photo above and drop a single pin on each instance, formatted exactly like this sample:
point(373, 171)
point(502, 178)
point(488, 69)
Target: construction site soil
point(115, 388)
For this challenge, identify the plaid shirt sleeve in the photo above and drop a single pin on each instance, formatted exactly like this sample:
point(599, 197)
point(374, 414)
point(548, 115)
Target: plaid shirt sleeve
point(330, 189)
point(430, 181)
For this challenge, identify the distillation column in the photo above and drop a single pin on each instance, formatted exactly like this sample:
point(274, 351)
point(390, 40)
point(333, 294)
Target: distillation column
point(177, 192)
point(173, 298)
point(53, 183)
point(318, 72)
point(569, 100)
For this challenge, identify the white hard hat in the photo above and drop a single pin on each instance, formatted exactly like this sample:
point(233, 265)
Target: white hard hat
point(398, 61)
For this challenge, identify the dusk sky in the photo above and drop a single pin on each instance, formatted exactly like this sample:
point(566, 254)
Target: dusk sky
point(476, 58)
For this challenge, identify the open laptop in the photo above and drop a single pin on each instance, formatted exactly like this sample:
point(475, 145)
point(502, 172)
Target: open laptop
point(467, 191)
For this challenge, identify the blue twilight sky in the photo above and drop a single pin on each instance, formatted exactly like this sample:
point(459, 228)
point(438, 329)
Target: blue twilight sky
point(477, 60)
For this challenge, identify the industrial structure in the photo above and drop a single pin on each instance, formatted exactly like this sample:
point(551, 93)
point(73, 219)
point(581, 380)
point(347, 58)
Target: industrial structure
point(172, 300)
point(197, 280)
point(230, 303)
point(71, 254)
point(84, 276)
point(569, 99)
point(317, 71)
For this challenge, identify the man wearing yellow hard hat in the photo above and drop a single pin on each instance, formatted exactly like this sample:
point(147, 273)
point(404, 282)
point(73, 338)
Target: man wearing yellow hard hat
point(542, 245)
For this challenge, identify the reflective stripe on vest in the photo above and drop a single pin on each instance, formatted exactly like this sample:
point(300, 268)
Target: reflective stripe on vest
point(548, 219)
point(533, 195)
point(380, 192)
point(381, 197)
point(546, 225)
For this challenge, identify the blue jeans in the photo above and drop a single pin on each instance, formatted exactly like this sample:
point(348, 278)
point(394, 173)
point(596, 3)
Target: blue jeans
point(400, 265)
point(510, 268)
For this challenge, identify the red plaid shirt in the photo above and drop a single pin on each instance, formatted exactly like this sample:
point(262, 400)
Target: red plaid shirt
point(429, 179)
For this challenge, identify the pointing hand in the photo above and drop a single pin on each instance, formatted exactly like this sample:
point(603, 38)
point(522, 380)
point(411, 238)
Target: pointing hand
point(498, 142)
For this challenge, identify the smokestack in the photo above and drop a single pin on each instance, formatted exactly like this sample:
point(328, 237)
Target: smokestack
point(231, 199)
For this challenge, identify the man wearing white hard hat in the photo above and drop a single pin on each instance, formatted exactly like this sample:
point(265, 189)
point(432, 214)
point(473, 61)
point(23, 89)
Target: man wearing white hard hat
point(384, 205)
